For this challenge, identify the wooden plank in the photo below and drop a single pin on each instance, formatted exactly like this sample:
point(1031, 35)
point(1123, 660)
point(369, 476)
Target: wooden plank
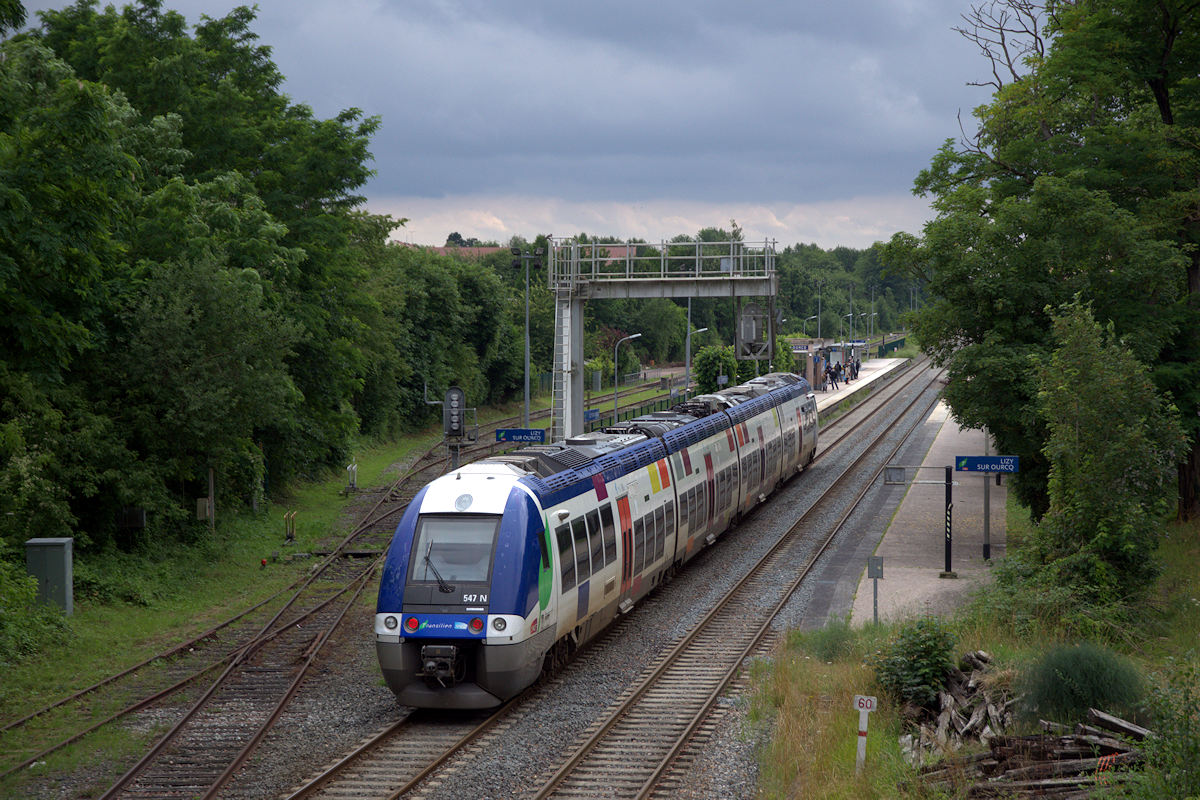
point(1118, 725)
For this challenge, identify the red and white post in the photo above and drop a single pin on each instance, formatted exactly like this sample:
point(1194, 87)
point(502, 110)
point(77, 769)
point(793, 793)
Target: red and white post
point(864, 704)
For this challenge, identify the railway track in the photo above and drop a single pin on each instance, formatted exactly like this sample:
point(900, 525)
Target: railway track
point(389, 766)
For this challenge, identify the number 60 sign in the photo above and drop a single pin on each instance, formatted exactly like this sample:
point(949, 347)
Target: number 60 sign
point(864, 705)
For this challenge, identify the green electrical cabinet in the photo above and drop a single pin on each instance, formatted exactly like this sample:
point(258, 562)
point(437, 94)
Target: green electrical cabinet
point(50, 561)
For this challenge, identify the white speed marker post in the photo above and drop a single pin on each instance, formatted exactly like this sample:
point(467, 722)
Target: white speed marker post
point(864, 704)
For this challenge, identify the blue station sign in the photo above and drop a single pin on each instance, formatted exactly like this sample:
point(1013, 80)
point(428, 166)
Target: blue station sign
point(527, 435)
point(591, 414)
point(987, 463)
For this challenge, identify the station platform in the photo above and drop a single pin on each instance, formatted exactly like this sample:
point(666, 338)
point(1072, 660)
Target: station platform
point(913, 545)
point(913, 542)
point(871, 372)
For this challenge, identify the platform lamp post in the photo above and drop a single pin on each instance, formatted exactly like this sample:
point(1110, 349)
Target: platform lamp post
point(871, 325)
point(819, 310)
point(617, 370)
point(687, 367)
point(525, 256)
point(804, 325)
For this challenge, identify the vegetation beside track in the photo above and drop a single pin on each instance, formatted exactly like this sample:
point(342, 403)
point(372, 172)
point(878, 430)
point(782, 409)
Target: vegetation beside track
point(804, 695)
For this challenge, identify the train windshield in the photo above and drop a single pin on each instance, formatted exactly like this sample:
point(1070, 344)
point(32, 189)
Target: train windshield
point(454, 548)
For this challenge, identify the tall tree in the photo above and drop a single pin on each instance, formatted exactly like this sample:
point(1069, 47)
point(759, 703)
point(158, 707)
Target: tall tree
point(1081, 179)
point(1112, 448)
point(220, 81)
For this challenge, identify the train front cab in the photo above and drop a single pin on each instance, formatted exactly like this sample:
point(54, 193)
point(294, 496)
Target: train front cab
point(461, 613)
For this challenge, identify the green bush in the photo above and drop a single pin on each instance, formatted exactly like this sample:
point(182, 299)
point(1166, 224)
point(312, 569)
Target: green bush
point(1069, 679)
point(1030, 599)
point(912, 667)
point(833, 642)
point(1173, 754)
point(25, 623)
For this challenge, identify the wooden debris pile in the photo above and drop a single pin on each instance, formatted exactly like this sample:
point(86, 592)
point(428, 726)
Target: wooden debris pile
point(970, 710)
point(1061, 763)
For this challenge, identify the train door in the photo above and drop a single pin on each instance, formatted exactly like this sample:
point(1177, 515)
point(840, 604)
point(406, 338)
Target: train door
point(625, 518)
point(710, 482)
point(799, 460)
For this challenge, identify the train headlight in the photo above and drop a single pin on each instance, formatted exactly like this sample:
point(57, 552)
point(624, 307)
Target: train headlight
point(476, 625)
point(499, 624)
point(390, 622)
point(411, 624)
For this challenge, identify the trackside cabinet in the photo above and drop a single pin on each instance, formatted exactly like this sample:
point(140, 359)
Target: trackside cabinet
point(50, 561)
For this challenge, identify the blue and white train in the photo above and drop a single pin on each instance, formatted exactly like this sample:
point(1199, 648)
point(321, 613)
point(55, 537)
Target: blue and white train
point(506, 565)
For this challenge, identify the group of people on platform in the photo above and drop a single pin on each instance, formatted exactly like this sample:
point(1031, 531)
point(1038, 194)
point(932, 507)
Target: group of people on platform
point(836, 373)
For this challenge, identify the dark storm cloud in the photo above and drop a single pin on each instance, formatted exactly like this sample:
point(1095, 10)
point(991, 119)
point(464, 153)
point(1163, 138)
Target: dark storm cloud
point(752, 102)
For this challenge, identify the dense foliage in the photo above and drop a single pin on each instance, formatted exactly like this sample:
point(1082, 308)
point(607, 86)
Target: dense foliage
point(1112, 445)
point(1081, 180)
point(188, 283)
point(1173, 756)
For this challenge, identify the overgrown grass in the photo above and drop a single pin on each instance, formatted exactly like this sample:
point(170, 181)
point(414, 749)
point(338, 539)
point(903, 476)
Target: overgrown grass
point(814, 742)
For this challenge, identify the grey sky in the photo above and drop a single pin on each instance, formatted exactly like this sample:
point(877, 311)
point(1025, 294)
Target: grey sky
point(806, 121)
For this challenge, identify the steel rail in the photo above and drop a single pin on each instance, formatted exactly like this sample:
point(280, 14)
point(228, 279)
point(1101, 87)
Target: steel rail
point(698, 718)
point(351, 762)
point(284, 701)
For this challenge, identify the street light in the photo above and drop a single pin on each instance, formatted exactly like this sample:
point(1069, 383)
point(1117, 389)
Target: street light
point(524, 256)
point(687, 369)
point(804, 325)
point(819, 310)
point(841, 335)
point(617, 370)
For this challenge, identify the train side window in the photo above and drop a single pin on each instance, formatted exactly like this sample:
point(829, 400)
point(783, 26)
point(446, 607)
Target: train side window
point(650, 535)
point(566, 556)
point(660, 532)
point(544, 546)
point(639, 545)
point(579, 531)
point(596, 537)
point(610, 534)
point(670, 516)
